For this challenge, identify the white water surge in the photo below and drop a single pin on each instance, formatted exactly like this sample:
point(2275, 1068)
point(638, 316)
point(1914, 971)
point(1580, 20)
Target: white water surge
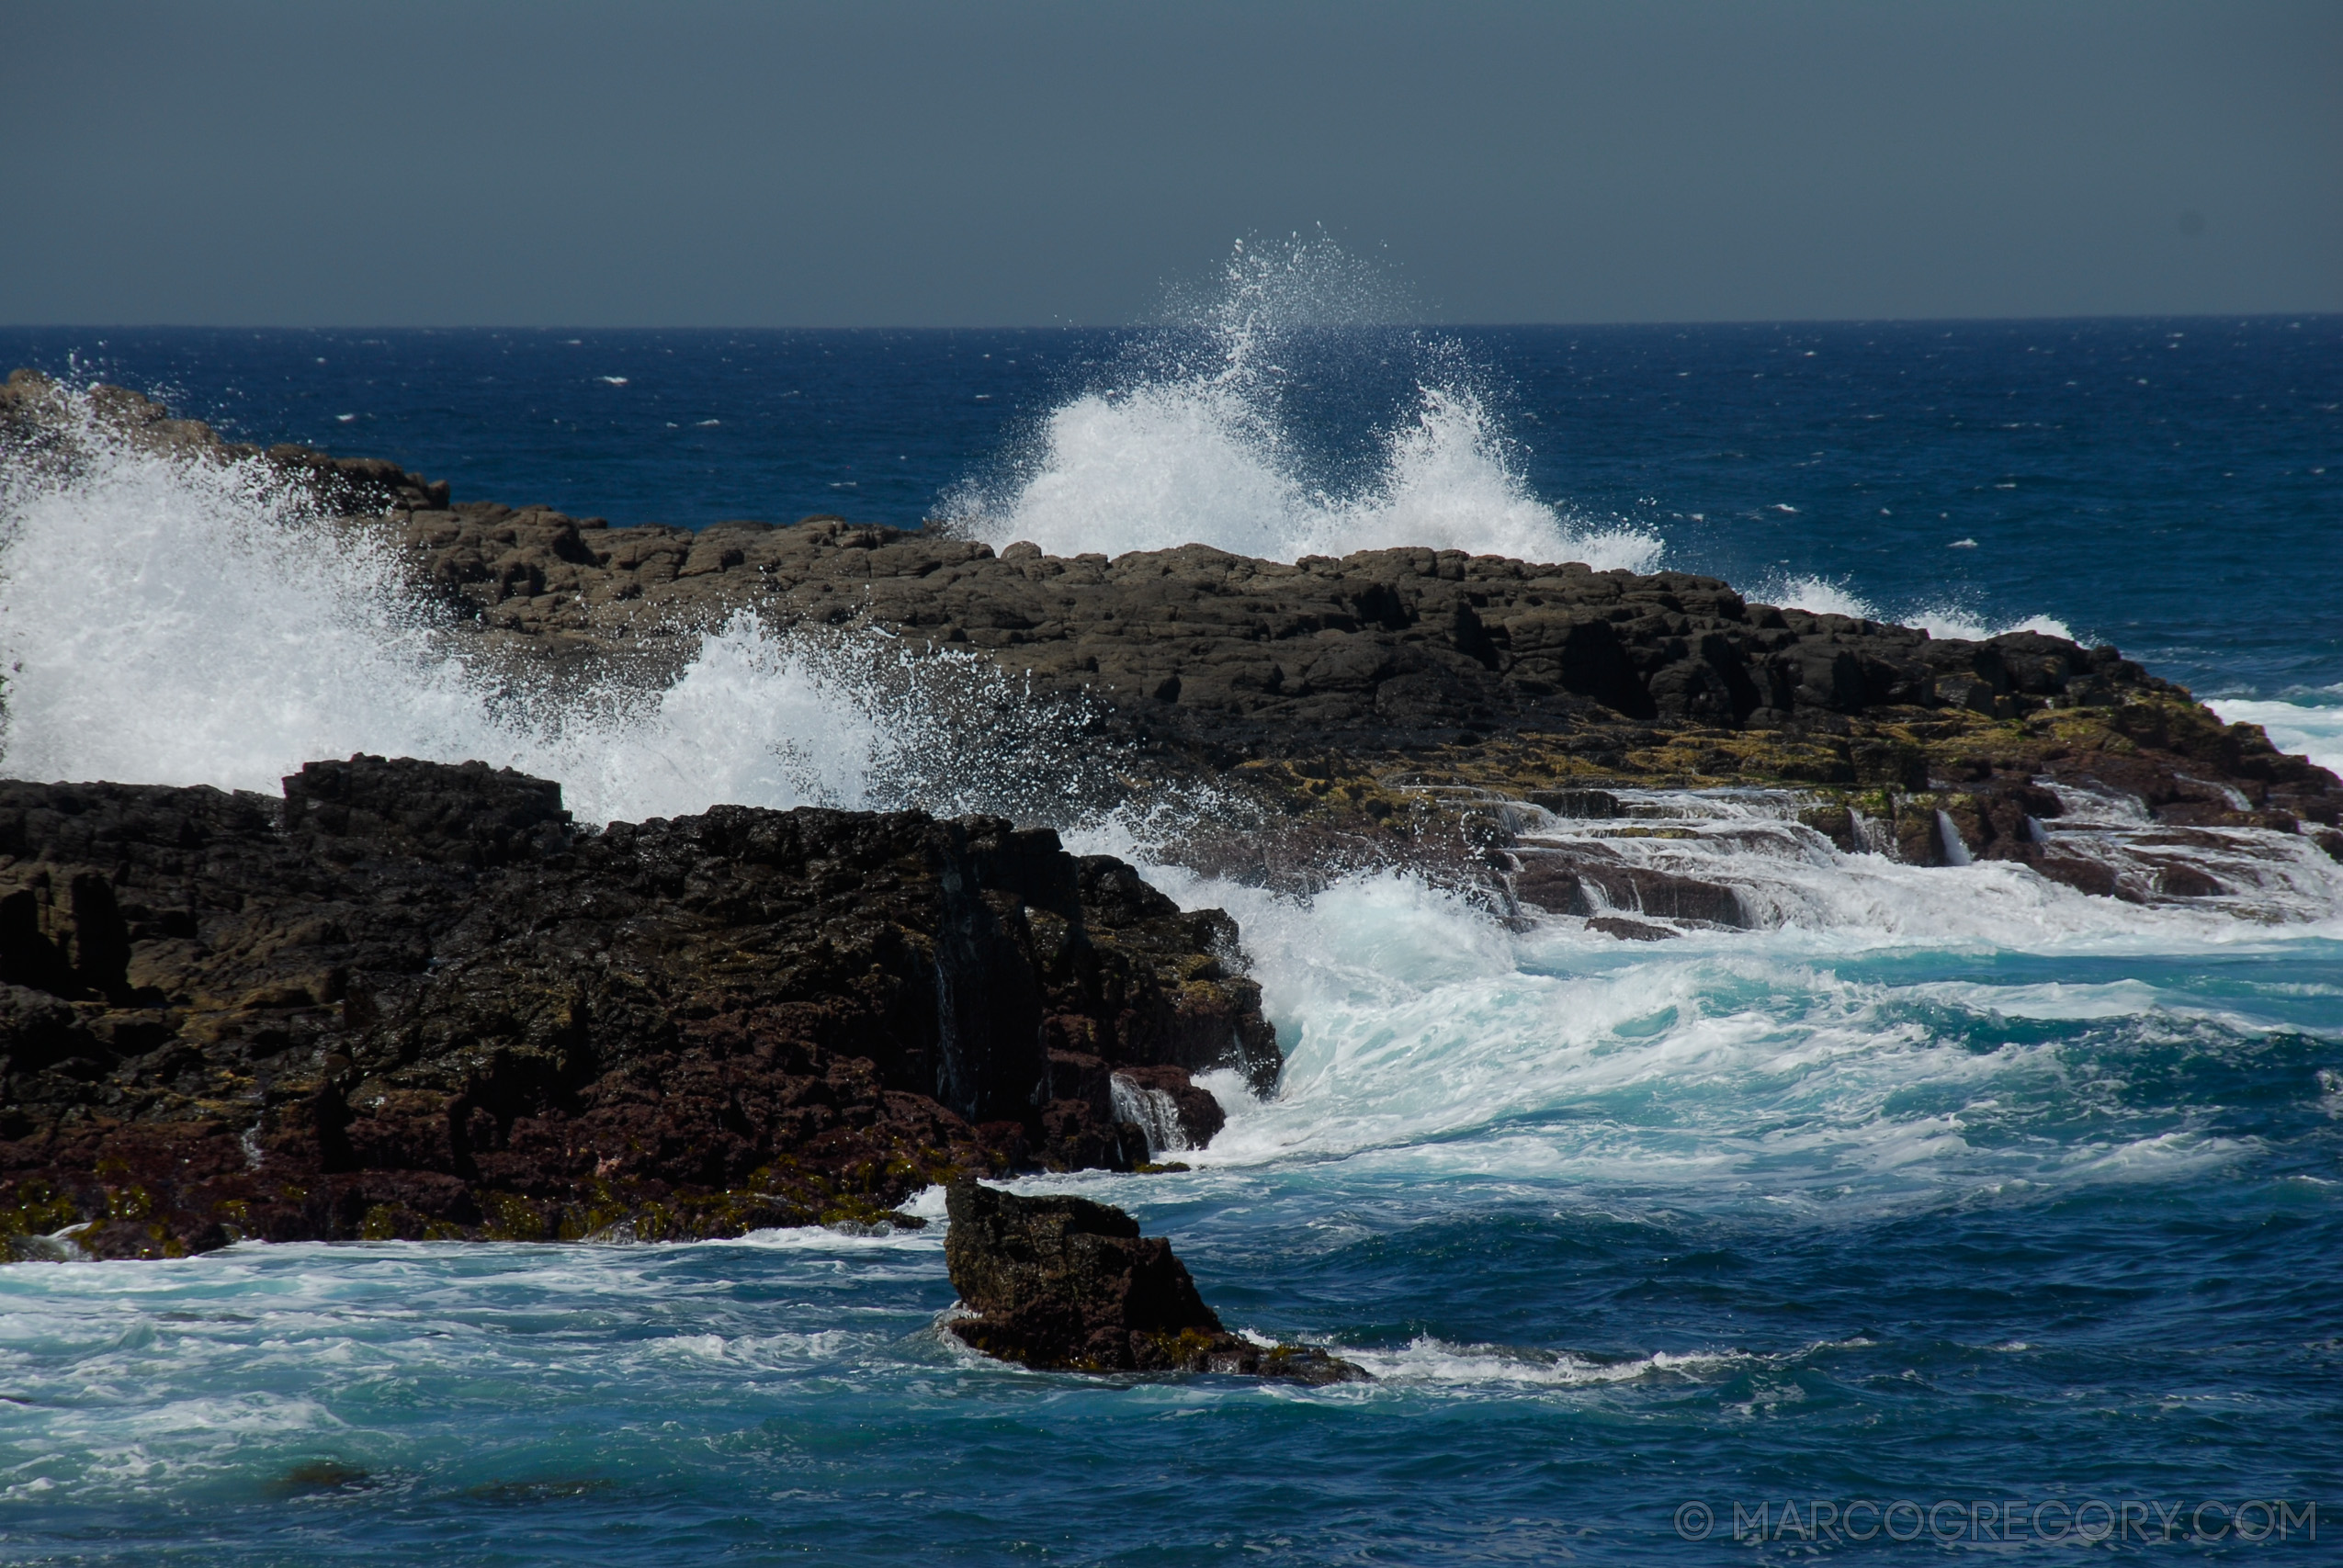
point(2311, 726)
point(1191, 447)
point(166, 620)
point(1933, 1040)
point(1877, 1033)
point(1938, 617)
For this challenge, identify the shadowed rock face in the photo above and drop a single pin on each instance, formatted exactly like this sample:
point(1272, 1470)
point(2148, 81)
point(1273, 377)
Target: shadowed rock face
point(1064, 1283)
point(417, 1000)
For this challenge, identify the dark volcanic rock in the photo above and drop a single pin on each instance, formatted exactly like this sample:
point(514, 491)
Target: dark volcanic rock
point(1358, 708)
point(417, 1000)
point(1064, 1283)
point(1336, 690)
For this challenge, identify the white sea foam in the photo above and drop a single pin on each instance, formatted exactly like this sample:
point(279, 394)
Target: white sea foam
point(1432, 1362)
point(844, 1239)
point(1939, 618)
point(1796, 1063)
point(235, 1366)
point(2309, 728)
point(1192, 448)
point(170, 621)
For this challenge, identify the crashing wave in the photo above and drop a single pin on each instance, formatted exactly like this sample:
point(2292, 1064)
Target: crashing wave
point(170, 618)
point(1191, 445)
point(1938, 618)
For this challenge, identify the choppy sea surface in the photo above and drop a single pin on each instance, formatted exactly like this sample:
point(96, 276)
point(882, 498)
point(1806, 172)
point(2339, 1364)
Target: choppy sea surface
point(2010, 1214)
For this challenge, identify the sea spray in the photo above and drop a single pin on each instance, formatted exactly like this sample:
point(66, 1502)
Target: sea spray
point(857, 720)
point(1190, 440)
point(1897, 1057)
point(1938, 617)
point(168, 617)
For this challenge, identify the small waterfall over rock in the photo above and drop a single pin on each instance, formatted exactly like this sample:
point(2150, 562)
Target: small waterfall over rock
point(1156, 1113)
point(1680, 861)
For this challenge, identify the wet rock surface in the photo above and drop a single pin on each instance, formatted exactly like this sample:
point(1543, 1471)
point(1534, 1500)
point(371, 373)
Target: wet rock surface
point(417, 1000)
point(409, 1000)
point(1062, 1282)
point(1370, 707)
point(1365, 702)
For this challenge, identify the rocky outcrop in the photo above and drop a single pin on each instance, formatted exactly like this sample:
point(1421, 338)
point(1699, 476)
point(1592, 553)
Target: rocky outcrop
point(1340, 690)
point(1380, 650)
point(1348, 695)
point(1062, 1282)
point(1369, 706)
point(417, 1000)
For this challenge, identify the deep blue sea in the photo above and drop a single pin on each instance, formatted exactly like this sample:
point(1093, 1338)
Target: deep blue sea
point(2170, 486)
point(1952, 1212)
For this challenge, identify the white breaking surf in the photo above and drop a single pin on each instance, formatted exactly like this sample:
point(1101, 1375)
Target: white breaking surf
point(170, 620)
point(2311, 729)
point(1194, 451)
point(1938, 618)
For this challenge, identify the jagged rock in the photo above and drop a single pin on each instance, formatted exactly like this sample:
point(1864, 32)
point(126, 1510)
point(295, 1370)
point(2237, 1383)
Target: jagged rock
point(1589, 803)
point(412, 999)
point(1318, 684)
point(1064, 1283)
point(1340, 698)
point(1568, 881)
point(1628, 930)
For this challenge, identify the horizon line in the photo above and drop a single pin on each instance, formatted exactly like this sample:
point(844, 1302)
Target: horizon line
point(2240, 316)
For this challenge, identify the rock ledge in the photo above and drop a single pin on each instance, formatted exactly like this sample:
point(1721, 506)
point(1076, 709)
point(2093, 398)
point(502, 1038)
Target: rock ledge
point(417, 1001)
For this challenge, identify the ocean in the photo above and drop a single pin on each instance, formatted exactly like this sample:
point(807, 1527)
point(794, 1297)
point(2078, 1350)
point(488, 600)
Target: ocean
point(1955, 1210)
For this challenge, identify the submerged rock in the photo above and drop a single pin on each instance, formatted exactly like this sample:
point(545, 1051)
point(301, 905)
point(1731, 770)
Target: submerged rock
point(1061, 1282)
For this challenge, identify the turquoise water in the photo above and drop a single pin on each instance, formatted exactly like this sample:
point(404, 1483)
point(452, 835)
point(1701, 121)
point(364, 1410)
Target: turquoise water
point(1922, 1226)
point(1952, 1186)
